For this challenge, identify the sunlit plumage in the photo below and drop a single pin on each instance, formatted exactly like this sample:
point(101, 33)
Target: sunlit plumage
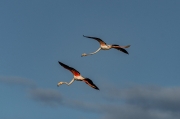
point(77, 77)
point(104, 46)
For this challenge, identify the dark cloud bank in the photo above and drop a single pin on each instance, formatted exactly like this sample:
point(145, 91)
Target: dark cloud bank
point(137, 102)
point(46, 96)
point(145, 103)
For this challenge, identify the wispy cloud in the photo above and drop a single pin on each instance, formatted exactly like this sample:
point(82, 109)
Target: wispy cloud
point(17, 81)
point(46, 96)
point(154, 97)
point(41, 95)
point(128, 111)
point(151, 102)
point(83, 105)
point(138, 102)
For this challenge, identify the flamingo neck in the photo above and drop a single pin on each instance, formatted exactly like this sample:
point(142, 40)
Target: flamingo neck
point(65, 83)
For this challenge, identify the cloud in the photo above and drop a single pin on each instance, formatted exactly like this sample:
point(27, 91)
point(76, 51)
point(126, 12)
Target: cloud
point(17, 81)
point(46, 96)
point(83, 105)
point(41, 95)
point(148, 97)
point(127, 111)
point(154, 97)
point(138, 102)
point(151, 102)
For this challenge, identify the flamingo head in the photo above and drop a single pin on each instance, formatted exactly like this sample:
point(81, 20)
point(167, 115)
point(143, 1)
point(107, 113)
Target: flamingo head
point(84, 54)
point(60, 83)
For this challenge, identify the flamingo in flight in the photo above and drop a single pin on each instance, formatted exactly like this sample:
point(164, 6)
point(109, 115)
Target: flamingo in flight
point(104, 46)
point(77, 77)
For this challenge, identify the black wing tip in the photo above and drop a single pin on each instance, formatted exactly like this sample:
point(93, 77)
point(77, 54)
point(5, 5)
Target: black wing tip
point(127, 53)
point(124, 51)
point(86, 36)
point(61, 63)
point(92, 84)
point(96, 88)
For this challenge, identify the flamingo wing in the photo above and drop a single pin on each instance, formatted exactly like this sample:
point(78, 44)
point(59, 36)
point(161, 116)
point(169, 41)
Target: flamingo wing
point(98, 39)
point(90, 83)
point(74, 71)
point(120, 48)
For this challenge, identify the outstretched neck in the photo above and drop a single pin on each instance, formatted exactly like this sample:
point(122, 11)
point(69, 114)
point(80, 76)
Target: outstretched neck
point(66, 83)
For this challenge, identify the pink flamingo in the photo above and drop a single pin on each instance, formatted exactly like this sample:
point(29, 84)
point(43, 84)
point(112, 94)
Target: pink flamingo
point(104, 46)
point(77, 77)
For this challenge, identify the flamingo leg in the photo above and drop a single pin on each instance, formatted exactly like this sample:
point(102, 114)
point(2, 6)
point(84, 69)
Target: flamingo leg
point(91, 53)
point(60, 83)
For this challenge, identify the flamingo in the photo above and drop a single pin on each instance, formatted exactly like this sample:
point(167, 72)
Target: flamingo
point(77, 77)
point(104, 46)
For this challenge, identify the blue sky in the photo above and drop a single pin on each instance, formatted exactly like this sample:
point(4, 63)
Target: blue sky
point(36, 34)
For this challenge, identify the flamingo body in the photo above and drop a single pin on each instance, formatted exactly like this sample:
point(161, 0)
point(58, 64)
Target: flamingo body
point(105, 47)
point(77, 77)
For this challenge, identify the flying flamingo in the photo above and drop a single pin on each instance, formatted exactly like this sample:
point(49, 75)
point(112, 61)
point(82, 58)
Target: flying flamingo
point(77, 77)
point(104, 46)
